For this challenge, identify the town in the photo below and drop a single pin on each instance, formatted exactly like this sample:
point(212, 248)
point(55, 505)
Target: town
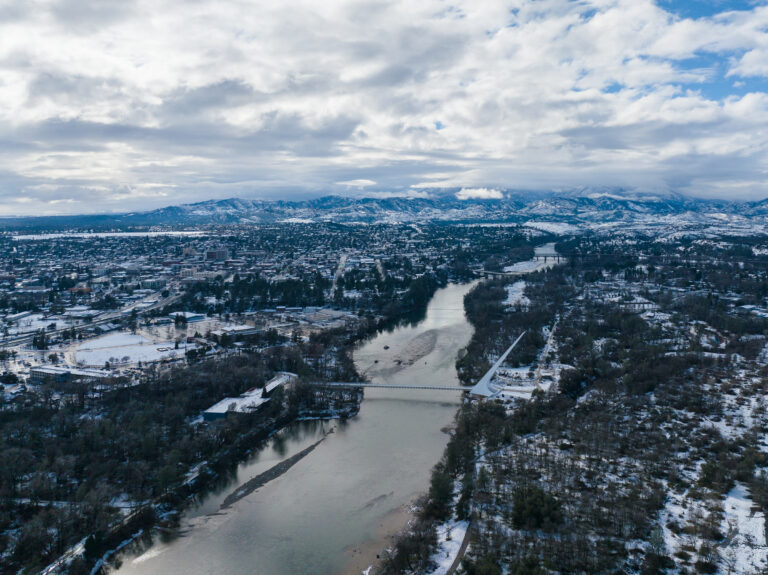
point(101, 307)
point(236, 333)
point(92, 320)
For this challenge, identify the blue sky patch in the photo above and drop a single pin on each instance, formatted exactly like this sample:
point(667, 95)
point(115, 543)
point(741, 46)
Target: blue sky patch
point(705, 8)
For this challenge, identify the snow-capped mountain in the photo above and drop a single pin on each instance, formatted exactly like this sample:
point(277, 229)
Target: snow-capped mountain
point(581, 208)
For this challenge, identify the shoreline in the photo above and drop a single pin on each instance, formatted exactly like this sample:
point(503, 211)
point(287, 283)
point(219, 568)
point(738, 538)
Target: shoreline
point(183, 498)
point(366, 556)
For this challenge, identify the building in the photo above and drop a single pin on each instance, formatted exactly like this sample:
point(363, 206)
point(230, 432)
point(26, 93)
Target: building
point(60, 375)
point(80, 312)
point(218, 255)
point(236, 331)
point(13, 318)
point(249, 402)
point(188, 316)
point(153, 283)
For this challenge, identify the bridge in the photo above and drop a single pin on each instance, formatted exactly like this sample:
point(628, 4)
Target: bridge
point(546, 256)
point(354, 384)
point(483, 389)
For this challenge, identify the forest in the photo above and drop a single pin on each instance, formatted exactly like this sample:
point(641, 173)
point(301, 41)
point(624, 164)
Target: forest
point(635, 459)
point(81, 466)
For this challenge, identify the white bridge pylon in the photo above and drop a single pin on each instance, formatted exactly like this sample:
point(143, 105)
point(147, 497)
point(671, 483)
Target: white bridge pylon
point(484, 388)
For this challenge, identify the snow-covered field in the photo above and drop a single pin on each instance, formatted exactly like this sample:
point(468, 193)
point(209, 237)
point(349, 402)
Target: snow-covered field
point(523, 266)
point(124, 348)
point(515, 295)
point(745, 530)
point(36, 322)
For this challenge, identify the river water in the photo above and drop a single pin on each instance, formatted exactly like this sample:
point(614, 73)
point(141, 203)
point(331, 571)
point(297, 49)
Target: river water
point(336, 508)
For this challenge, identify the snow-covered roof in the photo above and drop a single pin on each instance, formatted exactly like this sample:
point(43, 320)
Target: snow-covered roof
point(249, 401)
point(53, 370)
point(252, 399)
point(280, 379)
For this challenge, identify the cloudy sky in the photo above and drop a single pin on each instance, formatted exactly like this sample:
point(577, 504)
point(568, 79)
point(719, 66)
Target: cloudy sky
point(124, 105)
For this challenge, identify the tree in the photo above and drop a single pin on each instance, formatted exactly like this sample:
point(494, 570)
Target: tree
point(463, 505)
point(534, 508)
point(94, 546)
point(440, 494)
point(40, 340)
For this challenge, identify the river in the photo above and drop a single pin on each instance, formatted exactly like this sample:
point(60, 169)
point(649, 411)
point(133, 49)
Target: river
point(339, 506)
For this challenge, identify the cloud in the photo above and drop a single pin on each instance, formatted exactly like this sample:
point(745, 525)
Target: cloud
point(479, 194)
point(100, 101)
point(361, 183)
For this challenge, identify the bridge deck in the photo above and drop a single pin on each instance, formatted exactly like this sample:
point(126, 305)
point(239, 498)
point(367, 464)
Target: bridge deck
point(482, 389)
point(395, 386)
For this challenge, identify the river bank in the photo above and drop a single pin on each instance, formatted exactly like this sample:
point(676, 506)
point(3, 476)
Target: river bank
point(424, 545)
point(164, 514)
point(336, 508)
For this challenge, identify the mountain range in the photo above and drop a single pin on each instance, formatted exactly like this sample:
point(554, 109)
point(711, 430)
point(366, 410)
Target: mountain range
point(586, 208)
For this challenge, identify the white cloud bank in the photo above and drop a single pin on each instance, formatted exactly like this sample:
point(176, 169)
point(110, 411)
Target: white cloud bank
point(479, 194)
point(116, 105)
point(362, 183)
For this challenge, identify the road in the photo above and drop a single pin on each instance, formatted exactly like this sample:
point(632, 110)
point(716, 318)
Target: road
point(462, 550)
point(339, 273)
point(381, 270)
point(545, 353)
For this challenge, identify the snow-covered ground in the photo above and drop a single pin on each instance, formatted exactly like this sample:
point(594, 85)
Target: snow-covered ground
point(515, 295)
point(36, 322)
point(112, 340)
point(559, 228)
point(449, 539)
point(124, 348)
point(297, 221)
point(744, 528)
point(81, 235)
point(248, 402)
point(523, 266)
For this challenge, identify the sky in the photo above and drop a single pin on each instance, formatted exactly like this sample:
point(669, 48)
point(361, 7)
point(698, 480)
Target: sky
point(128, 105)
